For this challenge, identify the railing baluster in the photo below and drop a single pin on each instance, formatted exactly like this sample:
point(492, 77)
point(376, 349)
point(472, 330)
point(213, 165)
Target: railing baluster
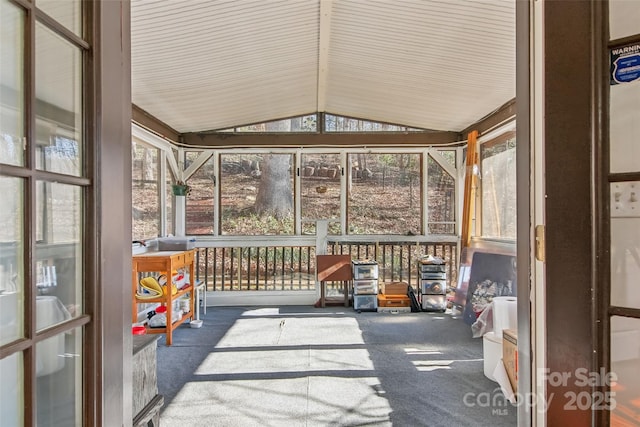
point(209, 279)
point(275, 265)
point(281, 250)
point(309, 269)
point(234, 270)
point(291, 263)
point(299, 268)
point(258, 258)
point(248, 261)
point(293, 267)
point(222, 264)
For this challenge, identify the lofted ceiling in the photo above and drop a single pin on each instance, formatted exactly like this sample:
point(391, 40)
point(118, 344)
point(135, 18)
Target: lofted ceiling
point(201, 65)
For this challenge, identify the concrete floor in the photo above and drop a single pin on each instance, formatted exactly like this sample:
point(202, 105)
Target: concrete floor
point(306, 366)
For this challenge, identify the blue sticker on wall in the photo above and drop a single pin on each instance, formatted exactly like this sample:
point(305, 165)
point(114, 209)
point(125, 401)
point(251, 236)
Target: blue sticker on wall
point(625, 64)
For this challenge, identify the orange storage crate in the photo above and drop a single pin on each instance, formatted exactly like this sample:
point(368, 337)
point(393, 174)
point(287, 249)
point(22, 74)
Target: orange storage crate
point(393, 301)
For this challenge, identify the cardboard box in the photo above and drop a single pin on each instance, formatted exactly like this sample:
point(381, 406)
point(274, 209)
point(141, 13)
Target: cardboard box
point(395, 288)
point(510, 356)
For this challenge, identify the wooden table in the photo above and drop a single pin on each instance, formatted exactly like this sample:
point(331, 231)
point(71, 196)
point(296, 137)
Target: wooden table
point(164, 262)
point(334, 268)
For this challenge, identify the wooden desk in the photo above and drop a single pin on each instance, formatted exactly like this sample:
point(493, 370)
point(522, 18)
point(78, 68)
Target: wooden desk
point(164, 262)
point(334, 268)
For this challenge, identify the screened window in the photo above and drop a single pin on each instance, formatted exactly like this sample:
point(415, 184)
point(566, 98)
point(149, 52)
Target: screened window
point(441, 193)
point(145, 192)
point(169, 201)
point(320, 176)
point(256, 194)
point(294, 124)
point(347, 124)
point(498, 166)
point(200, 202)
point(384, 194)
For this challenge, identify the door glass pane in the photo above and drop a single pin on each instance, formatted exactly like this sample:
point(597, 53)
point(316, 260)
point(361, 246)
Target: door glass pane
point(59, 254)
point(625, 365)
point(320, 176)
point(625, 126)
point(12, 86)
point(58, 106)
point(11, 260)
point(66, 12)
point(625, 257)
point(12, 391)
point(624, 16)
point(59, 380)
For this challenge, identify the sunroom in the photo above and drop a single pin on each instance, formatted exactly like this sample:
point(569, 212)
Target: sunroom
point(390, 126)
point(395, 202)
point(364, 162)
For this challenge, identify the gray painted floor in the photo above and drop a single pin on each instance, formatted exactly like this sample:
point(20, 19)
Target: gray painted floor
point(305, 366)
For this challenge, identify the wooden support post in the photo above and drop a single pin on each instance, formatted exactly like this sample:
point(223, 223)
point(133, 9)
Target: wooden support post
point(469, 192)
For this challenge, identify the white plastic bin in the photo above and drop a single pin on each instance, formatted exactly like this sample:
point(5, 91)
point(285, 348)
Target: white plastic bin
point(492, 353)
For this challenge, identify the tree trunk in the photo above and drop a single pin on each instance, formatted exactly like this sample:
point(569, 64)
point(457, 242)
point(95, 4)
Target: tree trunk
point(274, 196)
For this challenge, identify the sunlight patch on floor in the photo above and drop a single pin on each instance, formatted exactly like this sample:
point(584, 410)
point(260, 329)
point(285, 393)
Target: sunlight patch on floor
point(298, 331)
point(284, 371)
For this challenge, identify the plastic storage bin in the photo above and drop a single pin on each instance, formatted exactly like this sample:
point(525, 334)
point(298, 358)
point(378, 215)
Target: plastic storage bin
point(433, 287)
point(175, 244)
point(434, 302)
point(433, 268)
point(365, 270)
point(365, 287)
point(365, 302)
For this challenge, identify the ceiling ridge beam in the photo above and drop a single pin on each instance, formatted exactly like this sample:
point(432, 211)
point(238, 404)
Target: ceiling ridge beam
point(324, 38)
point(361, 140)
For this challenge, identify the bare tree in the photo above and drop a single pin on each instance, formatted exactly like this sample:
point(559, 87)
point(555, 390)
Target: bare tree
point(274, 196)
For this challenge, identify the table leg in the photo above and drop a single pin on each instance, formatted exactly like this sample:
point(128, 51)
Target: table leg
point(345, 285)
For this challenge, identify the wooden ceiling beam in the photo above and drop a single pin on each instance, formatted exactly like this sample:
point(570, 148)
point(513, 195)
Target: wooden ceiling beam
point(290, 140)
point(489, 122)
point(153, 124)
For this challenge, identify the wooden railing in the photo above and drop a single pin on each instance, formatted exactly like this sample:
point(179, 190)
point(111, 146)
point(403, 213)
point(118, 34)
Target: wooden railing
point(293, 268)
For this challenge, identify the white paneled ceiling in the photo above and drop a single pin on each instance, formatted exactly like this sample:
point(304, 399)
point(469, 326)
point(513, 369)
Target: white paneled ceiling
point(204, 65)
